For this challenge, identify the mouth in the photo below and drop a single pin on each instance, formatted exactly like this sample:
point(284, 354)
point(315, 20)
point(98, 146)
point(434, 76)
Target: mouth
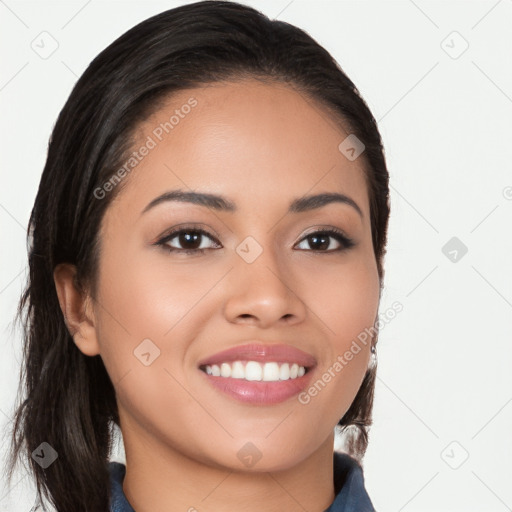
point(259, 374)
point(271, 371)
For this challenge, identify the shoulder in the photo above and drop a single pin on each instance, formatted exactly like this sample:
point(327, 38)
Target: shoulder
point(117, 470)
point(351, 494)
point(118, 501)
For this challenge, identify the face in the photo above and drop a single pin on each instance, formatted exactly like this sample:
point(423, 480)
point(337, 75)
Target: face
point(255, 273)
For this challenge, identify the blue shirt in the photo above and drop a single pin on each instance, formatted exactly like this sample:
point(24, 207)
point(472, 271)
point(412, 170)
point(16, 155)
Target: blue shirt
point(351, 495)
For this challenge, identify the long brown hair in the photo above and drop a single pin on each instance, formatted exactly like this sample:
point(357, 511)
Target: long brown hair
point(68, 399)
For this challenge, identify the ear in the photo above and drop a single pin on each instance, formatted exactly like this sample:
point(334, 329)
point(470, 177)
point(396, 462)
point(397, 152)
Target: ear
point(77, 309)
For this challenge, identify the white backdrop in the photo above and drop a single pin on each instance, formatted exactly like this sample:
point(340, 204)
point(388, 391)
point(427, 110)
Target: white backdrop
point(438, 78)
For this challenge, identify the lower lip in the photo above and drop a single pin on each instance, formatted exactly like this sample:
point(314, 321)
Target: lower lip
point(260, 392)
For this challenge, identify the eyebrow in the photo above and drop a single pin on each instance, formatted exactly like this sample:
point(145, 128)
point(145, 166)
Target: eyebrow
point(221, 203)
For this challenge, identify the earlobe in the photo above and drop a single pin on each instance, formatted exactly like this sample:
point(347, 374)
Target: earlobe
point(75, 306)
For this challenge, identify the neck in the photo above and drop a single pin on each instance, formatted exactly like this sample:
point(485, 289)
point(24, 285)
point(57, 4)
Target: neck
point(159, 477)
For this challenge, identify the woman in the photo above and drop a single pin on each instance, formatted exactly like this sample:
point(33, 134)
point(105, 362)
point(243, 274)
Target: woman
point(205, 273)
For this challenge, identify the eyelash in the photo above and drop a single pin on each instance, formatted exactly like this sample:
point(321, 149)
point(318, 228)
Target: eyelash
point(345, 242)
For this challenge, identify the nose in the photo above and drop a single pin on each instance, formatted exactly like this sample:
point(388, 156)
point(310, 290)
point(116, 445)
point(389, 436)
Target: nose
point(264, 293)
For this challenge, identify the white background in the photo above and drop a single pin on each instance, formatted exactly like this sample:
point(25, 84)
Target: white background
point(445, 361)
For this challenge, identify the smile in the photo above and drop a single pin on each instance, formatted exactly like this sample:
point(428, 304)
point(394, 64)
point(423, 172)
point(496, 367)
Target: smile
point(254, 371)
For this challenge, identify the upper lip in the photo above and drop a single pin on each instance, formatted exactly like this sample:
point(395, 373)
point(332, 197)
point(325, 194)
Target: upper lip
point(280, 353)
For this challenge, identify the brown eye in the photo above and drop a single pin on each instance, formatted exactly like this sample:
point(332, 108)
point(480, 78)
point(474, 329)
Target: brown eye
point(321, 241)
point(188, 241)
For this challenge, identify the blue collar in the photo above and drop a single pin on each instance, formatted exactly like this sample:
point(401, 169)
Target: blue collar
point(351, 495)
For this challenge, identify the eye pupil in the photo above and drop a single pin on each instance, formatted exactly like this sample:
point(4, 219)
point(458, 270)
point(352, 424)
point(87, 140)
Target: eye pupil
point(324, 244)
point(186, 237)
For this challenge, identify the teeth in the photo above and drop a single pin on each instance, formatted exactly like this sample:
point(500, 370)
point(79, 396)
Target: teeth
point(237, 370)
point(270, 372)
point(253, 370)
point(225, 370)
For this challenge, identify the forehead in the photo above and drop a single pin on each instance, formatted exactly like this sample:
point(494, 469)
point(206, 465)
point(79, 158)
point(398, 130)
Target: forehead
point(247, 140)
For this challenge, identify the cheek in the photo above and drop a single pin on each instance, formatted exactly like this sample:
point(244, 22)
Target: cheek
point(146, 293)
point(147, 296)
point(345, 303)
point(344, 298)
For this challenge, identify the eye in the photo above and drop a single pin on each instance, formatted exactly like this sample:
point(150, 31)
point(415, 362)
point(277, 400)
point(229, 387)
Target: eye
point(321, 240)
point(191, 241)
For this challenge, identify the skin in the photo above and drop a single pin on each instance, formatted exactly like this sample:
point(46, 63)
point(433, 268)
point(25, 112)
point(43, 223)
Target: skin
point(261, 146)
